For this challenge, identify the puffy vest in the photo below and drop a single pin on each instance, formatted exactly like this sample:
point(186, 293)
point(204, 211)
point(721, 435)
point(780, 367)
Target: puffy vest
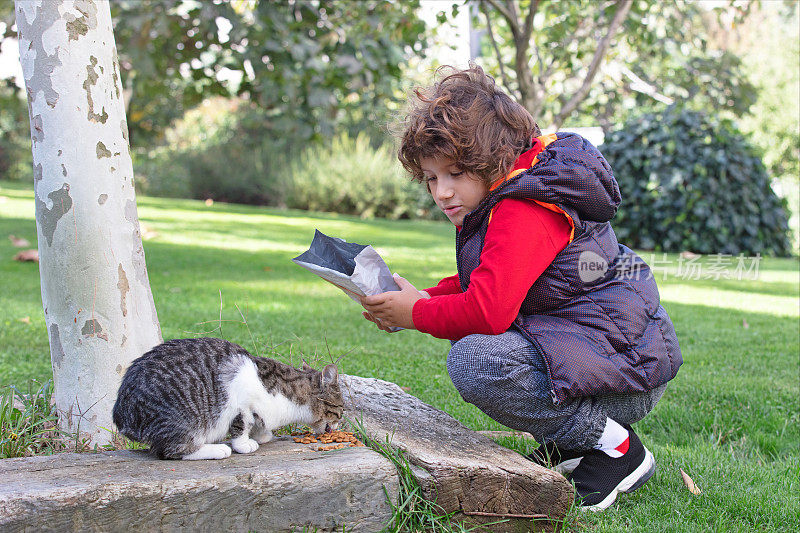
point(594, 314)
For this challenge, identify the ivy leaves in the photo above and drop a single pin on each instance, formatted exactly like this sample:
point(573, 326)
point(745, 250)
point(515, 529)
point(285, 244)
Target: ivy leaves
point(693, 182)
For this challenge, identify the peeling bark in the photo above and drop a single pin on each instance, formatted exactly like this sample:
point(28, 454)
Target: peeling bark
point(124, 288)
point(99, 309)
point(101, 150)
point(47, 216)
point(77, 27)
point(91, 80)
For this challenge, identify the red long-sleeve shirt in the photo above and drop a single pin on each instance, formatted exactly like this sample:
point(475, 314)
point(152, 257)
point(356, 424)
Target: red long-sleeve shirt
point(521, 241)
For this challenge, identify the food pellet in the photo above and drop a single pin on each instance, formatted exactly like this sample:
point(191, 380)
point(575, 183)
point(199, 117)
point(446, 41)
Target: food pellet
point(335, 440)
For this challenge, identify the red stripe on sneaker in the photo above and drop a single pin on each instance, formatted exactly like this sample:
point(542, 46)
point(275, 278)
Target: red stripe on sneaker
point(623, 448)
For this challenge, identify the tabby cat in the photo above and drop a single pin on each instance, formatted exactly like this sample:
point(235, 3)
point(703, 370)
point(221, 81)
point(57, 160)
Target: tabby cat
point(186, 395)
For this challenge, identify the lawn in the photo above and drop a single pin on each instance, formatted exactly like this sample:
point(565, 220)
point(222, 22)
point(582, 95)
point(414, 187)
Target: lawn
point(729, 419)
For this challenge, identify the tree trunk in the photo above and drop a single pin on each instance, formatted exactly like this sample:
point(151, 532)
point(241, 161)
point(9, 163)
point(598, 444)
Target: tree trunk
point(98, 307)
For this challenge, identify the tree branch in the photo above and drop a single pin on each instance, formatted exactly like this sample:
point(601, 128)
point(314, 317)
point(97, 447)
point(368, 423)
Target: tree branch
point(528, 29)
point(623, 7)
point(508, 15)
point(503, 76)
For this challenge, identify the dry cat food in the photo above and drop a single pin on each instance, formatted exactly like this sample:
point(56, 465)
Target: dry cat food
point(335, 440)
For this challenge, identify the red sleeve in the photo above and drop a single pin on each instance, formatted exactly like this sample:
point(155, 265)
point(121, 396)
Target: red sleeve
point(449, 285)
point(521, 241)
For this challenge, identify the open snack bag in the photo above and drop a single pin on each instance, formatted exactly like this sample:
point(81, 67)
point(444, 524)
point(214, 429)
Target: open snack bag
point(357, 269)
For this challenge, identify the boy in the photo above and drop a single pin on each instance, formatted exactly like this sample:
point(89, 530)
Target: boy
point(557, 329)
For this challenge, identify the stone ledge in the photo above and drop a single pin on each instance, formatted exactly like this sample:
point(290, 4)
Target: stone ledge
point(283, 486)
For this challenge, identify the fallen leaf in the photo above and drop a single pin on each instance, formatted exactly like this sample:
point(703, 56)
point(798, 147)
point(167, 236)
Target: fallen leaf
point(689, 255)
point(146, 232)
point(745, 325)
point(689, 483)
point(25, 320)
point(27, 255)
point(407, 389)
point(209, 202)
point(18, 242)
point(267, 269)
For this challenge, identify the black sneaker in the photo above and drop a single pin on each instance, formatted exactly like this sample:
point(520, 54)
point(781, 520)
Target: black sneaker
point(549, 455)
point(599, 478)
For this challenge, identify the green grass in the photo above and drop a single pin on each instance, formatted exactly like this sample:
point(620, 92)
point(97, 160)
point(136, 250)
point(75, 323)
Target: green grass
point(730, 418)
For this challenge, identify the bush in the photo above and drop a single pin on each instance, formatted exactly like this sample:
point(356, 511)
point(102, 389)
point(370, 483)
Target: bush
point(208, 154)
point(15, 139)
point(352, 177)
point(229, 150)
point(691, 182)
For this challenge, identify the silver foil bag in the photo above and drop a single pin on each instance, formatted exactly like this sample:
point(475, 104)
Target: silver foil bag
point(357, 269)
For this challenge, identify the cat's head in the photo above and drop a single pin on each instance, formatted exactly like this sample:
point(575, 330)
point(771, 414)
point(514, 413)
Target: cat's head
point(327, 404)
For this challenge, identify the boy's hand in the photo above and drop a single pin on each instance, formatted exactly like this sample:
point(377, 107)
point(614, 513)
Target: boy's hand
point(376, 322)
point(392, 308)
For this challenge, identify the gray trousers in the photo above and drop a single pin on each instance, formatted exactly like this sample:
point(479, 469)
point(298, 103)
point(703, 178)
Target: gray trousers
point(505, 378)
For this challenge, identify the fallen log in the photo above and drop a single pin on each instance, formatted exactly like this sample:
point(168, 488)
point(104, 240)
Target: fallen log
point(463, 471)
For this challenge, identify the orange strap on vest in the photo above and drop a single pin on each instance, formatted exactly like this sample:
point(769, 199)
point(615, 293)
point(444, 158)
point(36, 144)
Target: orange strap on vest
point(545, 140)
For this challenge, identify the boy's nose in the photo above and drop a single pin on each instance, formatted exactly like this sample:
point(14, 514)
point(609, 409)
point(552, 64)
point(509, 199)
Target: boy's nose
point(444, 196)
point(445, 191)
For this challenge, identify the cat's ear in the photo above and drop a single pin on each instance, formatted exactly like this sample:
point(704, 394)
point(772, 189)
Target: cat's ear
point(330, 375)
point(305, 366)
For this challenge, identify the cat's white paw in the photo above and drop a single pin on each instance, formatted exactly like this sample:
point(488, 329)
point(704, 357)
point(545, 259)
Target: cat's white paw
point(209, 451)
point(244, 444)
point(263, 437)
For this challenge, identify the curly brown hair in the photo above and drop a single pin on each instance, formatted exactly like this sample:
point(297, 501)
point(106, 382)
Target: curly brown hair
point(466, 118)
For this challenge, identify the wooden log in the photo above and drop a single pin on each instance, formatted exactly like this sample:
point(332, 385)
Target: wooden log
point(462, 470)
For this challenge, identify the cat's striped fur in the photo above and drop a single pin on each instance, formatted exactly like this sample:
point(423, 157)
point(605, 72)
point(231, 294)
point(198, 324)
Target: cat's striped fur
point(186, 395)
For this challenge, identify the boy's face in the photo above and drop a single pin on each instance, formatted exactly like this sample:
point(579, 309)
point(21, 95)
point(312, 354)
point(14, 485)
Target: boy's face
point(455, 192)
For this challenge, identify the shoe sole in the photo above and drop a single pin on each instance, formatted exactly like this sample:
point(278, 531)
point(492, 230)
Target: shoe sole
point(633, 481)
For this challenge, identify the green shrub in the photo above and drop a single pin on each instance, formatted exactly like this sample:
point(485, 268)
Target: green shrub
point(210, 154)
point(229, 150)
point(350, 176)
point(692, 182)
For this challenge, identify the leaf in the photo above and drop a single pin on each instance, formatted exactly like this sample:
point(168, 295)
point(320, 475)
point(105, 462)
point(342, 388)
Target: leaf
point(689, 483)
point(27, 255)
point(18, 242)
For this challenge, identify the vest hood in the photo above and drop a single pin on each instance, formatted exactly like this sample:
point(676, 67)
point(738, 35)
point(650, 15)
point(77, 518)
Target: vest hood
point(571, 172)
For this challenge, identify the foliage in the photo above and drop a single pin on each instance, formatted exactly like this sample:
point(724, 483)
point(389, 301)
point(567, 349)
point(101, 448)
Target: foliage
point(771, 59)
point(309, 65)
point(28, 422)
point(209, 154)
point(692, 182)
point(221, 151)
point(558, 60)
point(349, 176)
point(15, 141)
